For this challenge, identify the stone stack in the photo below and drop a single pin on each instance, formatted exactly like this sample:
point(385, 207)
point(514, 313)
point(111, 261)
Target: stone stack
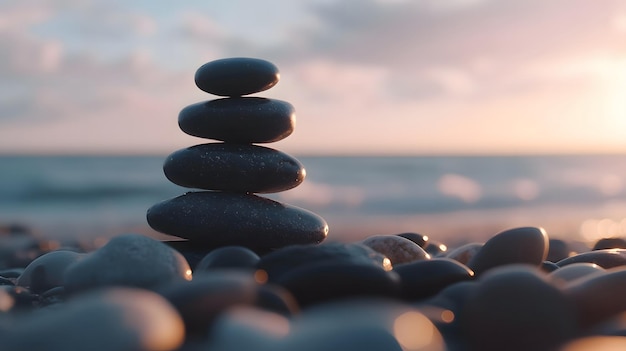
point(230, 172)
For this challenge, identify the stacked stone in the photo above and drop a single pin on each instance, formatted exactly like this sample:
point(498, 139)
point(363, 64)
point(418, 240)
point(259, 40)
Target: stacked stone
point(230, 172)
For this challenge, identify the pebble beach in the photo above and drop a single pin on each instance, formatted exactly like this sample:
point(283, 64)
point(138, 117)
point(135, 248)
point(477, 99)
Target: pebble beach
point(237, 267)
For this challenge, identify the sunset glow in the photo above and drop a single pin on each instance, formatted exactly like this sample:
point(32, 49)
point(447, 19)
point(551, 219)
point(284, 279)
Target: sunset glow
point(366, 77)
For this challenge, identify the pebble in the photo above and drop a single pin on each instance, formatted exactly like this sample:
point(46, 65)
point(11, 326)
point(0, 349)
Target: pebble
point(339, 280)
point(607, 258)
point(234, 167)
point(236, 76)
point(436, 248)
point(202, 299)
point(363, 324)
point(463, 254)
point(238, 257)
point(398, 249)
point(598, 296)
point(574, 271)
point(127, 260)
point(47, 271)
point(282, 261)
point(610, 243)
point(419, 239)
point(516, 308)
point(558, 250)
point(112, 319)
point(524, 245)
point(215, 219)
point(422, 279)
point(239, 120)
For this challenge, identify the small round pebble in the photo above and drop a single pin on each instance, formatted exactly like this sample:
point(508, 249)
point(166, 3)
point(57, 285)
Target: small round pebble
point(242, 168)
point(524, 245)
point(47, 271)
point(419, 239)
point(463, 254)
point(610, 243)
point(422, 279)
point(398, 249)
point(229, 257)
point(127, 260)
point(236, 76)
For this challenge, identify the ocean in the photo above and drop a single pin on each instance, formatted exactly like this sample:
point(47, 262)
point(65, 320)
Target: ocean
point(451, 199)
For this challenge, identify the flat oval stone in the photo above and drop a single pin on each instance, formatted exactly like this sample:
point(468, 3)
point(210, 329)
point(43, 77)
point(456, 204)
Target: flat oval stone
point(515, 308)
point(239, 120)
point(422, 279)
point(110, 319)
point(525, 245)
point(234, 167)
point(236, 76)
point(607, 258)
point(419, 239)
point(398, 249)
point(558, 250)
point(220, 219)
point(127, 260)
point(46, 272)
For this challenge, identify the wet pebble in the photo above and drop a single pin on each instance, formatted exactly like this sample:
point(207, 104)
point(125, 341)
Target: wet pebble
point(213, 219)
point(239, 120)
point(398, 249)
point(610, 243)
point(419, 239)
point(236, 76)
point(234, 167)
point(127, 260)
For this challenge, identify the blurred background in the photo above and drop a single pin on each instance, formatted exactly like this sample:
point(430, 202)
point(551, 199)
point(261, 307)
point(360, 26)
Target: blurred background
point(452, 118)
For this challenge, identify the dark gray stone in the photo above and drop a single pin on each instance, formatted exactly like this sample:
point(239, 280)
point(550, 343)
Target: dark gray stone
point(607, 258)
point(515, 308)
point(419, 239)
point(46, 272)
point(610, 243)
point(127, 260)
point(237, 257)
point(239, 120)
point(111, 319)
point(524, 245)
point(326, 281)
point(234, 167)
point(280, 262)
point(236, 76)
point(425, 278)
point(201, 300)
point(215, 219)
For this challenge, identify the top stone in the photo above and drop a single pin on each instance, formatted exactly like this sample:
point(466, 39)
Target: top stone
point(236, 76)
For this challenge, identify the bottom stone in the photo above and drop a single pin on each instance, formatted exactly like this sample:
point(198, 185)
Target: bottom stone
point(218, 219)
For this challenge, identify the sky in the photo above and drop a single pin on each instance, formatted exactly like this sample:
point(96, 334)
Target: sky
point(375, 77)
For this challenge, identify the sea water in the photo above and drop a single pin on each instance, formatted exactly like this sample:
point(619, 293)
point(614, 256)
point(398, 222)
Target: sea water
point(450, 198)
